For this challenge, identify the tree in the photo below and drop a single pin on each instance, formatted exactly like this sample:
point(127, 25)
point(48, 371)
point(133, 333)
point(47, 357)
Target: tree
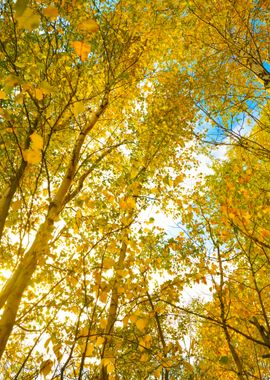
point(231, 217)
point(102, 108)
point(87, 119)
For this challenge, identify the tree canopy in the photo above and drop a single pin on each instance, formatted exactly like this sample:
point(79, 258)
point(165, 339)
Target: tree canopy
point(106, 109)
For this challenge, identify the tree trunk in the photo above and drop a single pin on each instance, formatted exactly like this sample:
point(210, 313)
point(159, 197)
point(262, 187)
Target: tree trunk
point(11, 295)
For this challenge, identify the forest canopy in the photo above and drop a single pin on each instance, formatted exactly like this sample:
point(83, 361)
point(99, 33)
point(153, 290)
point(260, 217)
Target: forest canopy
point(107, 109)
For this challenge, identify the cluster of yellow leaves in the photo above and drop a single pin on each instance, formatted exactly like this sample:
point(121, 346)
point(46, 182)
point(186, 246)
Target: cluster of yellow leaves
point(33, 154)
point(127, 203)
point(27, 18)
point(83, 48)
point(139, 321)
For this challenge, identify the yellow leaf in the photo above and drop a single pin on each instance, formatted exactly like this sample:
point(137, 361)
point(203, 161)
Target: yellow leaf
point(167, 363)
point(16, 205)
point(89, 26)
point(46, 88)
point(11, 81)
point(121, 272)
point(47, 342)
point(123, 204)
point(103, 323)
point(188, 366)
point(84, 331)
point(121, 289)
point(144, 357)
point(37, 141)
point(79, 214)
point(9, 130)
point(125, 320)
point(89, 349)
point(110, 367)
point(32, 156)
point(57, 351)
point(28, 20)
point(100, 340)
point(103, 296)
point(19, 98)
point(3, 95)
point(20, 6)
point(133, 172)
point(145, 342)
point(51, 12)
point(46, 367)
point(127, 204)
point(77, 108)
point(157, 372)
point(130, 203)
point(177, 180)
point(108, 263)
point(82, 49)
point(265, 233)
point(26, 86)
point(133, 318)
point(141, 324)
point(39, 95)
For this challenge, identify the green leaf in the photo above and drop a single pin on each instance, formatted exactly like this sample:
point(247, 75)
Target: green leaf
point(224, 359)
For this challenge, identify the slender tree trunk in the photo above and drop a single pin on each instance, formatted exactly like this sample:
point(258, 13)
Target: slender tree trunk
point(8, 195)
point(161, 336)
point(237, 360)
point(11, 295)
point(112, 312)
